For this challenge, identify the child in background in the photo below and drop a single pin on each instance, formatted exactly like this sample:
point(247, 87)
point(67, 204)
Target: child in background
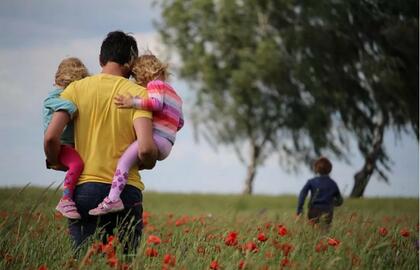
point(166, 106)
point(69, 70)
point(324, 194)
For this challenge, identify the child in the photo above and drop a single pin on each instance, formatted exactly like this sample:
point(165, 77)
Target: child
point(166, 106)
point(69, 70)
point(324, 193)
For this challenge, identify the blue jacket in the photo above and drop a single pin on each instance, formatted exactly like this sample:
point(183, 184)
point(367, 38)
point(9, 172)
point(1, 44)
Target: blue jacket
point(324, 194)
point(54, 103)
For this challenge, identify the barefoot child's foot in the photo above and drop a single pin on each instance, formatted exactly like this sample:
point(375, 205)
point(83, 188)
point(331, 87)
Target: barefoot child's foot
point(68, 209)
point(107, 206)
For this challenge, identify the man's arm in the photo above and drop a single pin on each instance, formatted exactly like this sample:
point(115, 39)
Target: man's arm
point(147, 150)
point(52, 136)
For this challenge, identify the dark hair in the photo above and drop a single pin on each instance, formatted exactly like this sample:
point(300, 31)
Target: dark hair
point(323, 166)
point(118, 47)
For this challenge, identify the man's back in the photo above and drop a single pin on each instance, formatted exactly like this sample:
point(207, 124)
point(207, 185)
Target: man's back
point(103, 132)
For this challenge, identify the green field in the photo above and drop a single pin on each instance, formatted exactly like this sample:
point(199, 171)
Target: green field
point(193, 230)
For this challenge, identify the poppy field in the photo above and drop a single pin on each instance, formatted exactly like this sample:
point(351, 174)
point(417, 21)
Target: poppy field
point(191, 231)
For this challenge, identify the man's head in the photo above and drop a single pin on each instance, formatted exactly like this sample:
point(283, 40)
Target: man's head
point(118, 47)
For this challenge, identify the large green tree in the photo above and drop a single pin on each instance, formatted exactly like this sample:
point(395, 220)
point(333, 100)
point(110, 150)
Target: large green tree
point(285, 77)
point(366, 52)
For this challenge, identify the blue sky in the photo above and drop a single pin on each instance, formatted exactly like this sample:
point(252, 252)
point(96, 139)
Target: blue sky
point(37, 35)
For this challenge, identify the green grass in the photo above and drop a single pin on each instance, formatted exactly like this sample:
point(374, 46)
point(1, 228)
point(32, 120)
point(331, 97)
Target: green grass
point(33, 236)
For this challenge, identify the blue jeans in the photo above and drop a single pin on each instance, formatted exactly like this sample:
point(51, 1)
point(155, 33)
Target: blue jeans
point(128, 222)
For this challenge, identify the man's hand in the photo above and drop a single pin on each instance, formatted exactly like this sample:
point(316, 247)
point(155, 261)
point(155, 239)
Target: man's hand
point(147, 151)
point(124, 101)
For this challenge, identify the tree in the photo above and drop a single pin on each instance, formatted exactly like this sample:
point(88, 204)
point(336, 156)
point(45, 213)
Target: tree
point(284, 77)
point(246, 96)
point(367, 53)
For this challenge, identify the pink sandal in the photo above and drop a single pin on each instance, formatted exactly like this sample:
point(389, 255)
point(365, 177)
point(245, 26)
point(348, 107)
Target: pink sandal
point(107, 206)
point(68, 209)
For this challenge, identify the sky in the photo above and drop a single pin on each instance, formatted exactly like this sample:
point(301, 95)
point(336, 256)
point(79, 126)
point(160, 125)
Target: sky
point(37, 35)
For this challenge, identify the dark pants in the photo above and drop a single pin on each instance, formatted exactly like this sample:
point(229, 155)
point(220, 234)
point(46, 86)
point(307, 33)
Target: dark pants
point(127, 223)
point(318, 215)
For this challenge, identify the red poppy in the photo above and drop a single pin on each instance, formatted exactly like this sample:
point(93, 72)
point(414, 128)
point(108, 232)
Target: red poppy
point(404, 232)
point(261, 237)
point(282, 230)
point(210, 236)
point(43, 267)
point(321, 246)
point(169, 259)
point(251, 246)
point(181, 221)
point(214, 265)
point(268, 255)
point(383, 231)
point(285, 262)
point(125, 266)
point(231, 239)
point(112, 261)
point(111, 239)
point(109, 250)
point(241, 264)
point(355, 260)
point(201, 250)
point(286, 248)
point(151, 252)
point(145, 218)
point(153, 239)
point(333, 242)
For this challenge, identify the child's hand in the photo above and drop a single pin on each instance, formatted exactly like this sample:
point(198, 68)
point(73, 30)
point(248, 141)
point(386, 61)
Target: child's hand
point(57, 167)
point(124, 101)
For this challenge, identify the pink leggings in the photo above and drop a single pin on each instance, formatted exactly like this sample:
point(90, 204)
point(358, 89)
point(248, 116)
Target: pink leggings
point(129, 158)
point(70, 158)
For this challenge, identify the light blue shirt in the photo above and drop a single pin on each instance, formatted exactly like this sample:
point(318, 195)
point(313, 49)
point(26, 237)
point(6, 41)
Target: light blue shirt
point(54, 103)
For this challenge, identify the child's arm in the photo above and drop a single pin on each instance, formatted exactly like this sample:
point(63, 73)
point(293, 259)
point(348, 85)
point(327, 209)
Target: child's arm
point(59, 104)
point(302, 197)
point(153, 103)
point(52, 136)
point(181, 121)
point(338, 199)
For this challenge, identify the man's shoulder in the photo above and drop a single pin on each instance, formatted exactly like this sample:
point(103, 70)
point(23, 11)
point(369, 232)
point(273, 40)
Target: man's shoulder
point(128, 86)
point(132, 85)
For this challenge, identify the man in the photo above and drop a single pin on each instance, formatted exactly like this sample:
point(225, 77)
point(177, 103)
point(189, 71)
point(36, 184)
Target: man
point(102, 133)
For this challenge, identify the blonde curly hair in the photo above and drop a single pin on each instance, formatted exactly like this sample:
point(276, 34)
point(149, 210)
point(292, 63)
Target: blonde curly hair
point(147, 68)
point(70, 70)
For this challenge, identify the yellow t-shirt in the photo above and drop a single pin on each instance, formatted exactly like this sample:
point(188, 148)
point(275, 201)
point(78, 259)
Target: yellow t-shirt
point(102, 131)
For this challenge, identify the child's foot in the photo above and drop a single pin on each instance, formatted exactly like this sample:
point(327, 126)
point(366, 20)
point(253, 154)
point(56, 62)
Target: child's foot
point(68, 209)
point(107, 206)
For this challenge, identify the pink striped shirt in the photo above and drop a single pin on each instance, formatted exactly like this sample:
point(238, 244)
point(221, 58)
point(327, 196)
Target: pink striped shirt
point(166, 106)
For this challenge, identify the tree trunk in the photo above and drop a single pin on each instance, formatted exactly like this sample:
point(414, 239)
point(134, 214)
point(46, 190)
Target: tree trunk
point(252, 169)
point(362, 177)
